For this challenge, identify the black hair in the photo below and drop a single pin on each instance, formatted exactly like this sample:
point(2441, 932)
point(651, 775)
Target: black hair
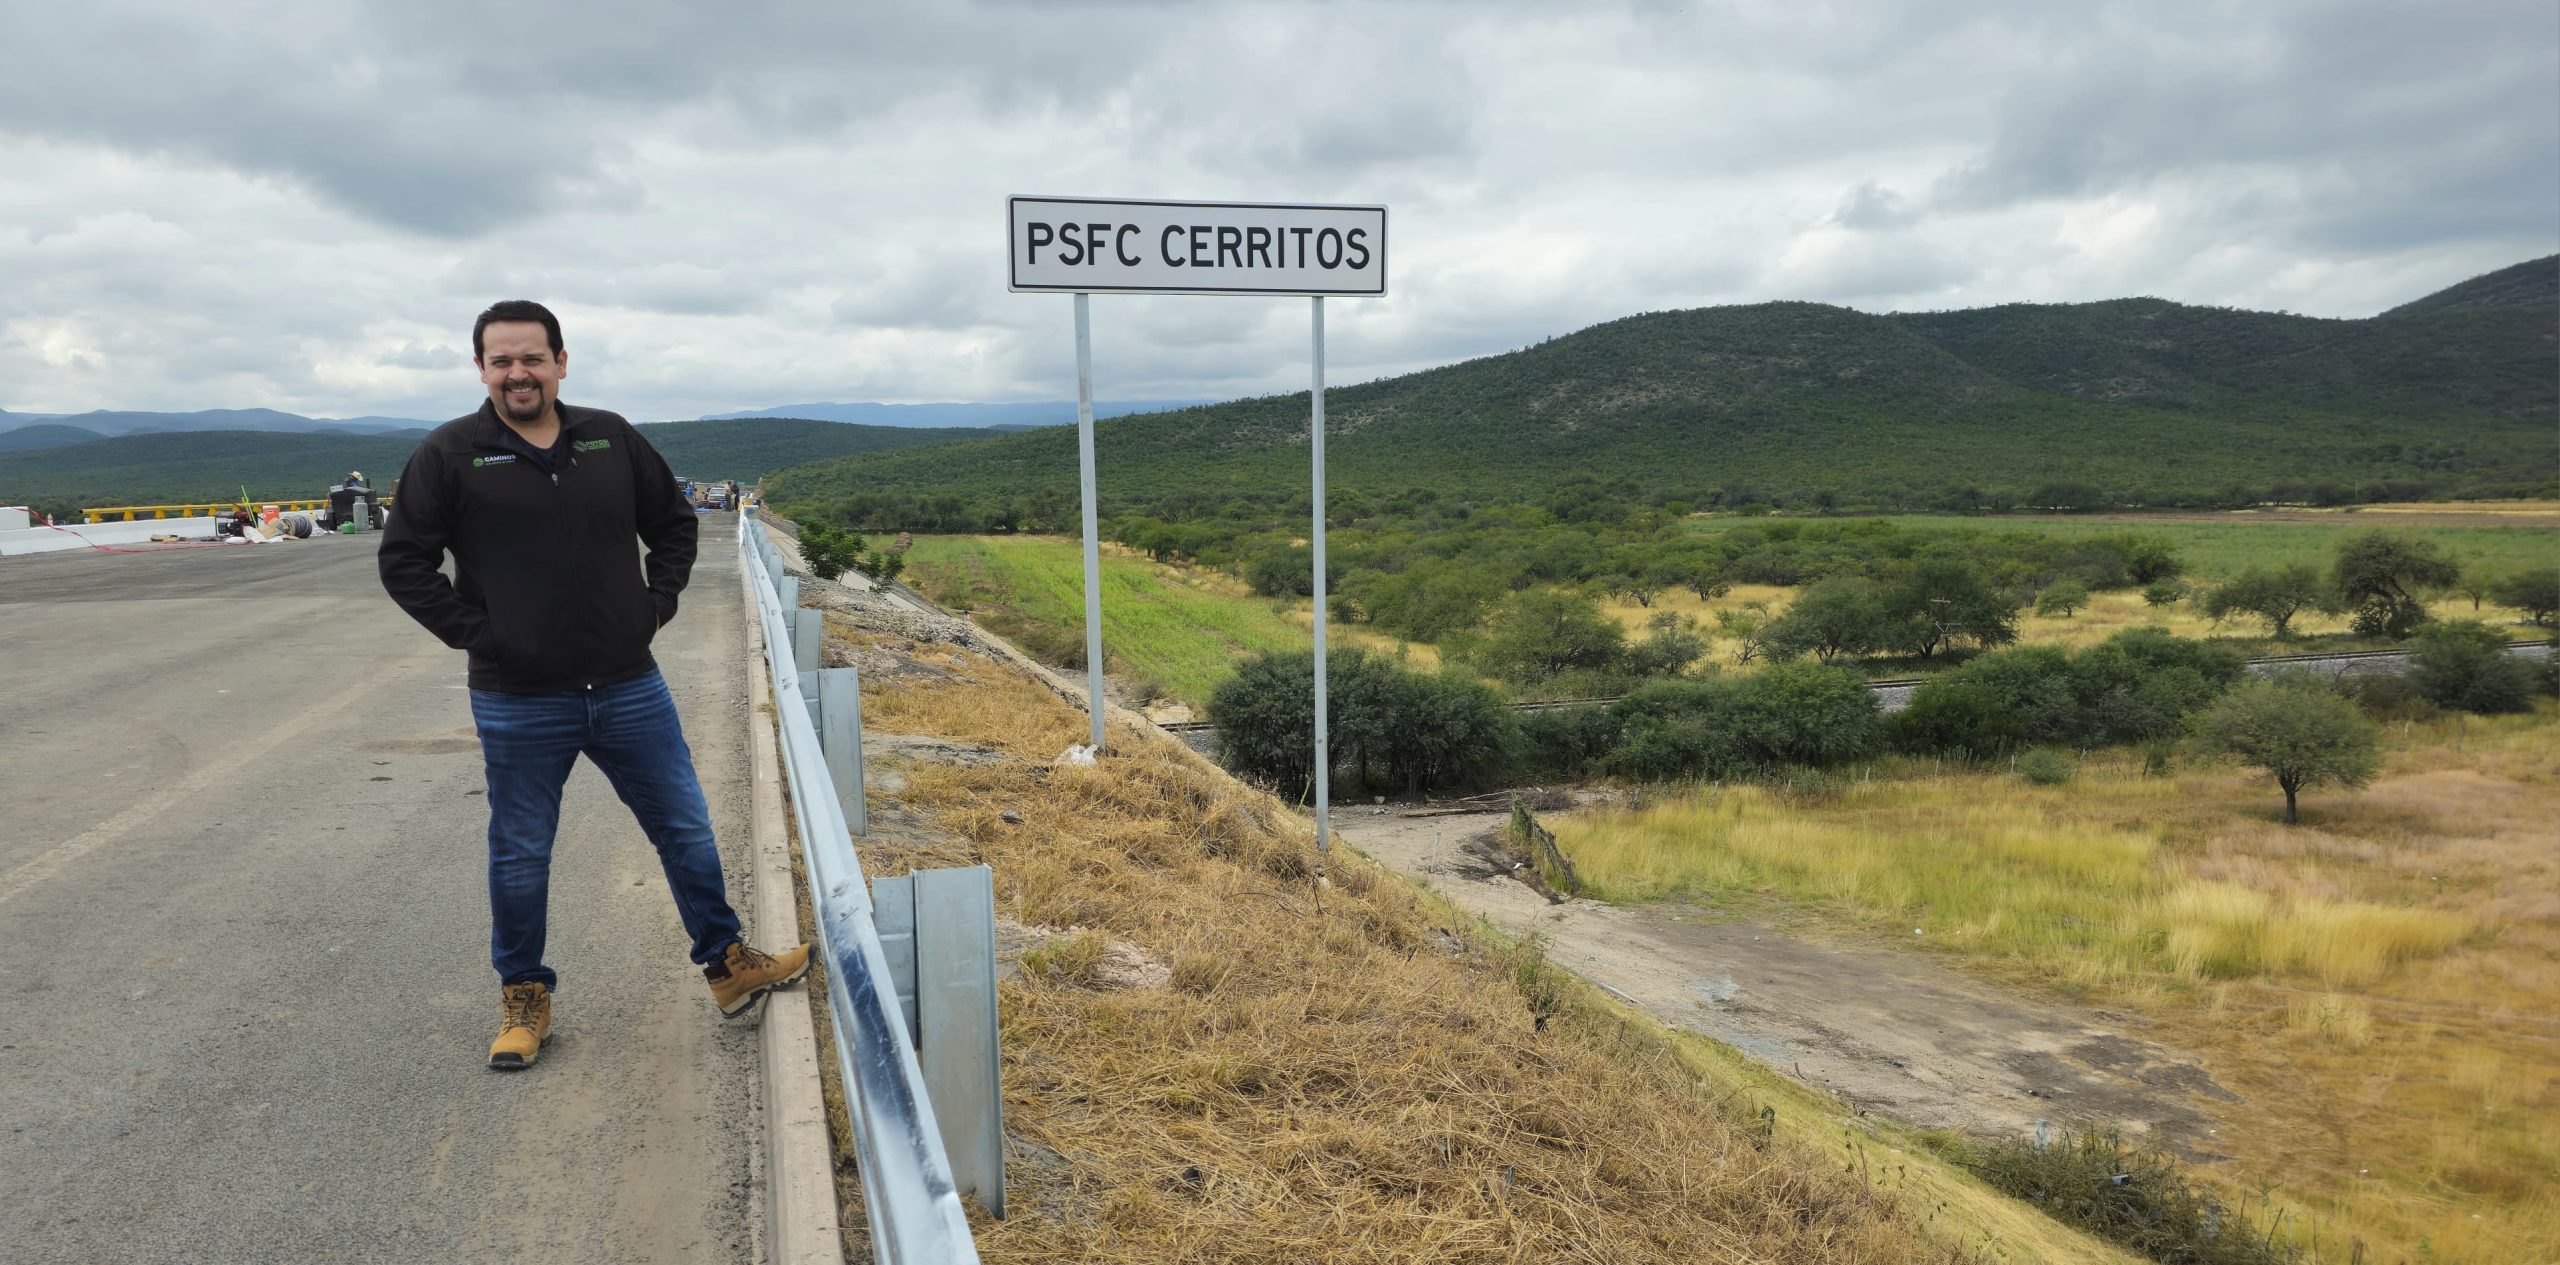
point(516, 310)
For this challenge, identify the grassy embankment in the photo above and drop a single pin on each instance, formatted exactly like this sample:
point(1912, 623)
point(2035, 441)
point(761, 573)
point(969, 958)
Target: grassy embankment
point(1346, 1070)
point(1173, 631)
point(2379, 984)
point(2498, 536)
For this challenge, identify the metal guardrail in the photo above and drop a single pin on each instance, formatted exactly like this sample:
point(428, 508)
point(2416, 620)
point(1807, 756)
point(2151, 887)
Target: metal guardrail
point(907, 1185)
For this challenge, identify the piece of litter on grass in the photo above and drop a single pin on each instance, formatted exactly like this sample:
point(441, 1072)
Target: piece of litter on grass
point(1011, 816)
point(1915, 931)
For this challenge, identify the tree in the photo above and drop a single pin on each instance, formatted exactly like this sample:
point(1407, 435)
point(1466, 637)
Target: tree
point(1747, 626)
point(1672, 647)
point(2276, 596)
point(1538, 633)
point(2163, 593)
point(1940, 600)
point(2464, 665)
point(2474, 583)
point(829, 551)
point(1829, 619)
point(2062, 599)
point(2302, 732)
point(2536, 592)
point(2384, 579)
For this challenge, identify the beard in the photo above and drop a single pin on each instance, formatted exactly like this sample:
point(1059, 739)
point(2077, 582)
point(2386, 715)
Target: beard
point(527, 415)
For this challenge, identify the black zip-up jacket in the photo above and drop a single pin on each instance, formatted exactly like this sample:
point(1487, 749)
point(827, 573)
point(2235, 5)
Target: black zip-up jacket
point(548, 591)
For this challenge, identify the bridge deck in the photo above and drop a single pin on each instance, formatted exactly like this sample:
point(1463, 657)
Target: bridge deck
point(248, 994)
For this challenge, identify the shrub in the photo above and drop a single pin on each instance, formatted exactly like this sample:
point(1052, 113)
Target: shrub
point(2464, 666)
point(2137, 1198)
point(1789, 714)
point(1961, 719)
point(1561, 742)
point(2163, 593)
point(2045, 766)
point(1389, 727)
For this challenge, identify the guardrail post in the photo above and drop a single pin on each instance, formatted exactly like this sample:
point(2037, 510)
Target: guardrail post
point(840, 736)
point(787, 587)
point(808, 636)
point(938, 938)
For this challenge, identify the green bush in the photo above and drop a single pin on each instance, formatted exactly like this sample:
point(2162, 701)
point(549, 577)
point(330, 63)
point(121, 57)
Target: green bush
point(2464, 665)
point(2134, 1197)
point(2163, 593)
point(1390, 728)
point(1789, 714)
point(2045, 766)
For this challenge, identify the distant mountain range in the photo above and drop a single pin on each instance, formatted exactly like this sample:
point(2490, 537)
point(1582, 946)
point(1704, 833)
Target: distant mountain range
point(166, 467)
point(20, 432)
point(112, 422)
point(990, 416)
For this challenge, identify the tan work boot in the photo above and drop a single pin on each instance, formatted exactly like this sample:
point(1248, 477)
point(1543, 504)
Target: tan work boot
point(743, 974)
point(525, 1024)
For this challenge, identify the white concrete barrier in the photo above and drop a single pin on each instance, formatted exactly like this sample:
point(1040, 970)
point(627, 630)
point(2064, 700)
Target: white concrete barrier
point(113, 535)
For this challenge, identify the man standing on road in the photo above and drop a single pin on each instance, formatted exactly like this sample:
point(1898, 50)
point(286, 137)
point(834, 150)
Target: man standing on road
point(539, 503)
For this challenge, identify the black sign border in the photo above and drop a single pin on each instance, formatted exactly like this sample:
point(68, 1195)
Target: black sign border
point(1014, 286)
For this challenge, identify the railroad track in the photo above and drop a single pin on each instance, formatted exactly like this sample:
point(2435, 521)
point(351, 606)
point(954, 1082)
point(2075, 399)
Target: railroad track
point(1903, 683)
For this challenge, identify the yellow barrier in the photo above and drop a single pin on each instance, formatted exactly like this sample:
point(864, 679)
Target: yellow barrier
point(215, 509)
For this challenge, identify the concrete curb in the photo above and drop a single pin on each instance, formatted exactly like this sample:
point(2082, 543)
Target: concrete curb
point(800, 1194)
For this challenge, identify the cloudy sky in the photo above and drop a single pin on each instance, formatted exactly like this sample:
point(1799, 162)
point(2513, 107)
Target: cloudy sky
point(302, 205)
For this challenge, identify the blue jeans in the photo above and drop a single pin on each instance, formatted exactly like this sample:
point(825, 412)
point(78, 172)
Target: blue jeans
point(629, 730)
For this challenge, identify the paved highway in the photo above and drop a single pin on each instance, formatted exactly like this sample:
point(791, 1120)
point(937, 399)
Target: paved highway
point(247, 995)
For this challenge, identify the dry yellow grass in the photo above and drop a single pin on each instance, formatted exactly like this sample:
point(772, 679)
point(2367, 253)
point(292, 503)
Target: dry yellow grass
point(1337, 1070)
point(2380, 984)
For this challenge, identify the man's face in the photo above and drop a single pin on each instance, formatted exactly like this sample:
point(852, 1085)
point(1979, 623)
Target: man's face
point(518, 367)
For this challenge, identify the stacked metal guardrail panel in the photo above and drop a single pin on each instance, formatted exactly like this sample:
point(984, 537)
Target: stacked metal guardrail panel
point(907, 1186)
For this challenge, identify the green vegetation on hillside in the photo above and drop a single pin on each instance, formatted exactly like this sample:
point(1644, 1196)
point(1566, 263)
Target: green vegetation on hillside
point(2134, 402)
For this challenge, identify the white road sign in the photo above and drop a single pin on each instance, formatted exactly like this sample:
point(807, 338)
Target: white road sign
point(1101, 246)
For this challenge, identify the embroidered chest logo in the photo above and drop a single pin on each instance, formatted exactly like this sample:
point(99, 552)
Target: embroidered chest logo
point(590, 445)
point(492, 461)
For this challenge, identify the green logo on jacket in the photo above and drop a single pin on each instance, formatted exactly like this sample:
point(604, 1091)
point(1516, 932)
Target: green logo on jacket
point(492, 461)
point(590, 445)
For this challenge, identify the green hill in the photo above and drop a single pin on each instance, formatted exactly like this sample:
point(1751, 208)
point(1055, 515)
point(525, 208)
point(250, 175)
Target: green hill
point(2534, 284)
point(2127, 402)
point(44, 435)
point(155, 469)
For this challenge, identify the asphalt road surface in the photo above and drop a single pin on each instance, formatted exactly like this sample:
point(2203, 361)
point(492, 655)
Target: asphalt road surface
point(247, 995)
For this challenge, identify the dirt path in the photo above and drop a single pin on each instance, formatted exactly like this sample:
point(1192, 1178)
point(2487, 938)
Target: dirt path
point(1893, 1032)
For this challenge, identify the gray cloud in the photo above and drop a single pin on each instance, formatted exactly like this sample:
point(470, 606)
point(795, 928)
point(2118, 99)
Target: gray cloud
point(303, 204)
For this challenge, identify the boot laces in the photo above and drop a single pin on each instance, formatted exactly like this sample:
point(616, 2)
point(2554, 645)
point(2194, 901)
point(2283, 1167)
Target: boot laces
point(751, 959)
point(520, 1008)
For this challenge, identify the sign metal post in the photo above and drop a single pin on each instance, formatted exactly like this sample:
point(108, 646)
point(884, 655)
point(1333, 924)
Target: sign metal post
point(1084, 246)
point(1315, 441)
point(1092, 534)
